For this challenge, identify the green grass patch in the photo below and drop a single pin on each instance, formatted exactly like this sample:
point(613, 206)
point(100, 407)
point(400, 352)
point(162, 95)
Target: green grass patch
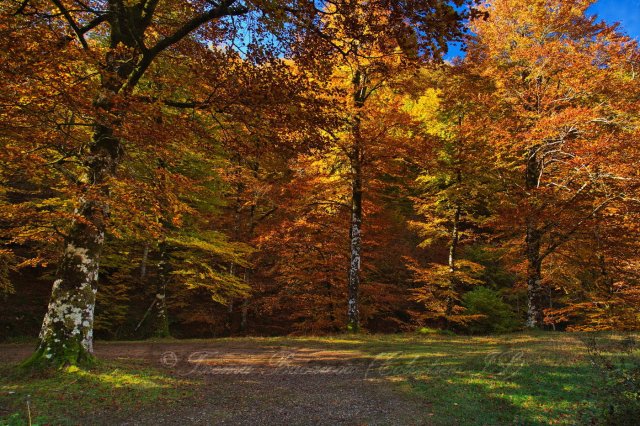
point(72, 395)
point(523, 378)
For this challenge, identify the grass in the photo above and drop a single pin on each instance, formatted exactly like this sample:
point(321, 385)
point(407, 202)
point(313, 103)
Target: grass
point(535, 378)
point(513, 379)
point(70, 396)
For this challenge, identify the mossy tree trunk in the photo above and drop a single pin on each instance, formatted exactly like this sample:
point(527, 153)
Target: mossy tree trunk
point(66, 336)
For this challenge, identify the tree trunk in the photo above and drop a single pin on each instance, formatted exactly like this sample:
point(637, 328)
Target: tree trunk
point(355, 229)
point(605, 277)
point(533, 241)
point(245, 312)
point(535, 293)
point(143, 263)
point(453, 254)
point(229, 321)
point(355, 235)
point(161, 321)
point(66, 336)
point(244, 309)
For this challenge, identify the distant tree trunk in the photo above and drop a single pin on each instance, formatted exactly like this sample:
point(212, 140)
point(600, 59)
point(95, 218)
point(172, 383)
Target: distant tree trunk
point(331, 307)
point(245, 315)
point(143, 263)
point(237, 233)
point(455, 237)
point(161, 320)
point(248, 272)
point(355, 230)
point(605, 276)
point(245, 306)
point(229, 321)
point(355, 234)
point(453, 255)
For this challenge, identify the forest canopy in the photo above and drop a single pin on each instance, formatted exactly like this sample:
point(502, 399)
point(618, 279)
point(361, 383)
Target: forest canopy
point(214, 168)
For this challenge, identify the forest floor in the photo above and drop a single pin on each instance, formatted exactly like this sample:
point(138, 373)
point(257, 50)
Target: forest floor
point(522, 378)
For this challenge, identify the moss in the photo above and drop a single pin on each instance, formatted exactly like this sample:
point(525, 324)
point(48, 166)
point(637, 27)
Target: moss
point(60, 355)
point(353, 328)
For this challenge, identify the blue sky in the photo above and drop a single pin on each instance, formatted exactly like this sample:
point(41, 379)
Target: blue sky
point(627, 12)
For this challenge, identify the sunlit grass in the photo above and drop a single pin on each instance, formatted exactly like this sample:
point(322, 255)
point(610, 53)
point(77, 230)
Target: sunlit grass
point(73, 393)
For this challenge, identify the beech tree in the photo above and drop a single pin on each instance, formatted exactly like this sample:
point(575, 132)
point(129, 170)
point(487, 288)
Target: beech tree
point(119, 42)
point(373, 58)
point(555, 69)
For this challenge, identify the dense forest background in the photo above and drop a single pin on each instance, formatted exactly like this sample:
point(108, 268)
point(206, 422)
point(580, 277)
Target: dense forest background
point(347, 178)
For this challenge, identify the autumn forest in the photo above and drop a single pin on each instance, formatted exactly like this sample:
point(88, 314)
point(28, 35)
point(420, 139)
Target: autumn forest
point(212, 168)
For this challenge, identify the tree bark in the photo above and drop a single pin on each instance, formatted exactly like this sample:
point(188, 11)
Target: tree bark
point(161, 321)
point(355, 234)
point(533, 241)
point(535, 293)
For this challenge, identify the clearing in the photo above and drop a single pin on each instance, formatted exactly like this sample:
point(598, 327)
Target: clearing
point(523, 378)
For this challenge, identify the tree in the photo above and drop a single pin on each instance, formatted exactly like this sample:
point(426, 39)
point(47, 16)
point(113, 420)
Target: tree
point(453, 192)
point(373, 58)
point(556, 71)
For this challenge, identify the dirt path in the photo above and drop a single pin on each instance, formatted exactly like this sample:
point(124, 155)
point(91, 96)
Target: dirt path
point(263, 385)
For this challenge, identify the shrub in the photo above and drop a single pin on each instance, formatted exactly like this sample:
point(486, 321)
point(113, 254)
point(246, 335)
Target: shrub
point(495, 315)
point(428, 330)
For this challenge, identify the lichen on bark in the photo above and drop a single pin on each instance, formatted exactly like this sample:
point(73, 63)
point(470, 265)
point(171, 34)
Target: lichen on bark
point(66, 336)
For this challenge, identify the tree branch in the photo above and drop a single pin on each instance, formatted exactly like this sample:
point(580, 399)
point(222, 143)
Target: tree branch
point(94, 23)
point(71, 23)
point(564, 238)
point(224, 9)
